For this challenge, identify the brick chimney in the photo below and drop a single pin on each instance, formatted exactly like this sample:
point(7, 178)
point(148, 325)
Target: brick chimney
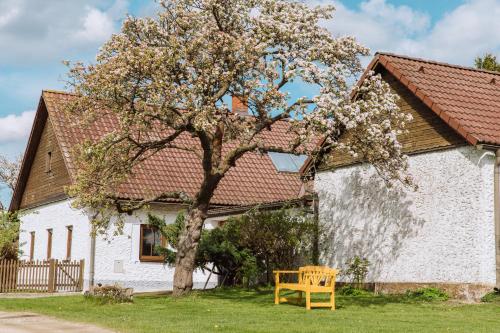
point(240, 105)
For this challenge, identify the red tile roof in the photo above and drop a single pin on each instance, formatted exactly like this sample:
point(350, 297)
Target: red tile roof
point(254, 180)
point(467, 99)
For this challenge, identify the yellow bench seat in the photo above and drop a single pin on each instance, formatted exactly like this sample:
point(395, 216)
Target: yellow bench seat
point(311, 279)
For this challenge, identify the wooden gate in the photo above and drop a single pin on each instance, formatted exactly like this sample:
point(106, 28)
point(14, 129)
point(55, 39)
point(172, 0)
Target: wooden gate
point(41, 275)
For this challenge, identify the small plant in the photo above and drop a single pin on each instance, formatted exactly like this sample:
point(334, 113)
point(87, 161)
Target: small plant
point(349, 290)
point(357, 271)
point(427, 294)
point(491, 297)
point(108, 294)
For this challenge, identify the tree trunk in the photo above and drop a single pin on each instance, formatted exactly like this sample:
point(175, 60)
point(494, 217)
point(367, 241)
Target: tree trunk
point(186, 250)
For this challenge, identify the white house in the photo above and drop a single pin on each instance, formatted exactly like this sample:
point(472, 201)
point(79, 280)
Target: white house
point(51, 228)
point(443, 234)
point(446, 233)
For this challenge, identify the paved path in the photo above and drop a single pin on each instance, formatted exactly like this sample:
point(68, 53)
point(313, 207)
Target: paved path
point(24, 322)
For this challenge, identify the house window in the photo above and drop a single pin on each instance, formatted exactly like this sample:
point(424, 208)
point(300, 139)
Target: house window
point(49, 243)
point(48, 162)
point(150, 240)
point(32, 245)
point(69, 241)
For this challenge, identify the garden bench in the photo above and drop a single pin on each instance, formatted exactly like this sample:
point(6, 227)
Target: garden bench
point(310, 279)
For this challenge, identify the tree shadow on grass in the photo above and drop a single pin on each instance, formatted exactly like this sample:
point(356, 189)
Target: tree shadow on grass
point(239, 295)
point(265, 297)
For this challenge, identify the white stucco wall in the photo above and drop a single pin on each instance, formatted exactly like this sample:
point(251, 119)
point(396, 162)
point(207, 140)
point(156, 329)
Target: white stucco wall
point(142, 276)
point(443, 232)
point(56, 216)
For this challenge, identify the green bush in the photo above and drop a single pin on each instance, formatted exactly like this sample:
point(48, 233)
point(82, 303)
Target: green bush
point(247, 248)
point(9, 235)
point(109, 294)
point(492, 297)
point(427, 294)
point(349, 290)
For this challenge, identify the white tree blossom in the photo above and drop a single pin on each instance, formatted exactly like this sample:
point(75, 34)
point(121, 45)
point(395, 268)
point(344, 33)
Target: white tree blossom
point(172, 72)
point(9, 171)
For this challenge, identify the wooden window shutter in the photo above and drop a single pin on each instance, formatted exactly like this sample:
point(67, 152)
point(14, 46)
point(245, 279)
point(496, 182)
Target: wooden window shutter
point(32, 245)
point(69, 242)
point(49, 243)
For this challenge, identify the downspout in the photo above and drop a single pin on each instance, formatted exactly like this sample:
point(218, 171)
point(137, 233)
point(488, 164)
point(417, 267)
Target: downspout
point(496, 205)
point(316, 231)
point(92, 261)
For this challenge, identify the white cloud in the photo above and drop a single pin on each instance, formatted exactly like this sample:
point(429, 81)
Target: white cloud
point(468, 31)
point(97, 26)
point(57, 30)
point(8, 15)
point(401, 17)
point(465, 32)
point(16, 127)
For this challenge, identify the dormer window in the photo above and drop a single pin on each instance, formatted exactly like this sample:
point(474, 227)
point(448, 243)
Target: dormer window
point(287, 162)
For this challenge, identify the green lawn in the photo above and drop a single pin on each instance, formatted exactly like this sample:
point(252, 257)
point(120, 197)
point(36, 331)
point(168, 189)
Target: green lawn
point(254, 311)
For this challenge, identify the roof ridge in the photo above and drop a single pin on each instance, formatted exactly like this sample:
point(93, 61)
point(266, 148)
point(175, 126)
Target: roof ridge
point(60, 92)
point(434, 62)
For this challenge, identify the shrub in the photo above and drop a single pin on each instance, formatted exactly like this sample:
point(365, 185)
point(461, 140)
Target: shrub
point(492, 297)
point(357, 269)
point(247, 248)
point(110, 294)
point(427, 294)
point(349, 290)
point(9, 234)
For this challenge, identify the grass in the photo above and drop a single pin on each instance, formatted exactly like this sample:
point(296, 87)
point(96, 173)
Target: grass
point(237, 310)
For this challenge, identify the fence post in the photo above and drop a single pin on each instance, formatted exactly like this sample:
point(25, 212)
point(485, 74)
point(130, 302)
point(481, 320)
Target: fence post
point(52, 276)
point(80, 281)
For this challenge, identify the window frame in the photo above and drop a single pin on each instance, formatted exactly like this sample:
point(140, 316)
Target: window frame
point(147, 258)
point(48, 162)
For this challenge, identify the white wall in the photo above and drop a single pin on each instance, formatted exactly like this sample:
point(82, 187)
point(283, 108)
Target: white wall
point(56, 216)
point(443, 232)
point(142, 276)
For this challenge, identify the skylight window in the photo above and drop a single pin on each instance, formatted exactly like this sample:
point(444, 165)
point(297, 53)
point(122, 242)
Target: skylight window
point(287, 162)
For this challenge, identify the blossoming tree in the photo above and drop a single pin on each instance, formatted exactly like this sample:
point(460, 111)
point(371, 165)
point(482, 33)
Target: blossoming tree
point(9, 171)
point(175, 71)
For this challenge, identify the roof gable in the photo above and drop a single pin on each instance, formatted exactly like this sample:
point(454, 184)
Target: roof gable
point(35, 184)
point(467, 99)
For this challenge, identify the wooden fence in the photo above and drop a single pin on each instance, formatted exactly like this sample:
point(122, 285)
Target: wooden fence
point(41, 275)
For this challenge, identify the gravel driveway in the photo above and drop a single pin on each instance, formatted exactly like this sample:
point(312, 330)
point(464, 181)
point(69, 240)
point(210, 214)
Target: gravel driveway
point(24, 322)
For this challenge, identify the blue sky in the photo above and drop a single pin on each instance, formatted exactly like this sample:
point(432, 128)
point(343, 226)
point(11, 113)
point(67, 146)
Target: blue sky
point(37, 35)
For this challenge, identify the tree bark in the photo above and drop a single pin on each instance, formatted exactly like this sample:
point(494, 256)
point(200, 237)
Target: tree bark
point(190, 236)
point(186, 250)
